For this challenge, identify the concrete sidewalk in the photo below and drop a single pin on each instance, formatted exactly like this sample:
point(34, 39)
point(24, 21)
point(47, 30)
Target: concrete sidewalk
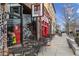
point(58, 47)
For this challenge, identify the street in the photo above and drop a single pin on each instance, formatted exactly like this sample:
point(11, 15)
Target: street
point(58, 47)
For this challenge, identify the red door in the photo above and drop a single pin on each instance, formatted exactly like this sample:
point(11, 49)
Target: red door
point(45, 29)
point(17, 33)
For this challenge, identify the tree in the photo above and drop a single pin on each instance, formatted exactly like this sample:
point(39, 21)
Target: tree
point(68, 16)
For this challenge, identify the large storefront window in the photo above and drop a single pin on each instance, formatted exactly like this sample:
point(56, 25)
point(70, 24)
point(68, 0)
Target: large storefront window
point(13, 27)
point(26, 27)
point(29, 28)
point(13, 31)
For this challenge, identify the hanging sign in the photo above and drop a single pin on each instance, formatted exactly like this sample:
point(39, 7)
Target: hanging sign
point(37, 10)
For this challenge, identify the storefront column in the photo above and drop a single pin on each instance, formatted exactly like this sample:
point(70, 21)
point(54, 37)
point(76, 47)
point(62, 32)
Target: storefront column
point(38, 28)
point(50, 20)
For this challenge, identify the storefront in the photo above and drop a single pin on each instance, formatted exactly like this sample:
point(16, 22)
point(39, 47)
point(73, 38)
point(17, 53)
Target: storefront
point(25, 24)
point(30, 27)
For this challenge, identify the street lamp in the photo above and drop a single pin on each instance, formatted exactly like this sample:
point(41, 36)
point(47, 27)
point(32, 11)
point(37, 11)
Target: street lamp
point(69, 17)
point(68, 25)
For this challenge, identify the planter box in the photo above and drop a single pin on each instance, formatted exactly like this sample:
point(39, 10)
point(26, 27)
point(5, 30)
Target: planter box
point(73, 46)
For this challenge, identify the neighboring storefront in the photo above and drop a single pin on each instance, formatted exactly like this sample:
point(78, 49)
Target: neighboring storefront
point(43, 21)
point(45, 16)
point(51, 10)
point(45, 24)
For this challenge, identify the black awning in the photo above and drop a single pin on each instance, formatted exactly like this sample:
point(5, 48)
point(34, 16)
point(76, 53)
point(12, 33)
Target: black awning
point(26, 9)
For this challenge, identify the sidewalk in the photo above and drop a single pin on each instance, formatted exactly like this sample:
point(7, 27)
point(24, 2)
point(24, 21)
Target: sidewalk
point(58, 47)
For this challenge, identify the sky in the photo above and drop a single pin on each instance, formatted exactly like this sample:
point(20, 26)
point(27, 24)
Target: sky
point(58, 8)
point(59, 13)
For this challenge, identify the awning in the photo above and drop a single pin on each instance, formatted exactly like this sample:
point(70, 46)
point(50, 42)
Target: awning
point(26, 8)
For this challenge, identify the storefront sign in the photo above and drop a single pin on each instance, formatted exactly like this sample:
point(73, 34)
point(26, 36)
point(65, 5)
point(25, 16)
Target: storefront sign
point(37, 10)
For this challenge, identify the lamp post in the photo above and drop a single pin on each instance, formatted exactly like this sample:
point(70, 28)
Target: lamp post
point(68, 25)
